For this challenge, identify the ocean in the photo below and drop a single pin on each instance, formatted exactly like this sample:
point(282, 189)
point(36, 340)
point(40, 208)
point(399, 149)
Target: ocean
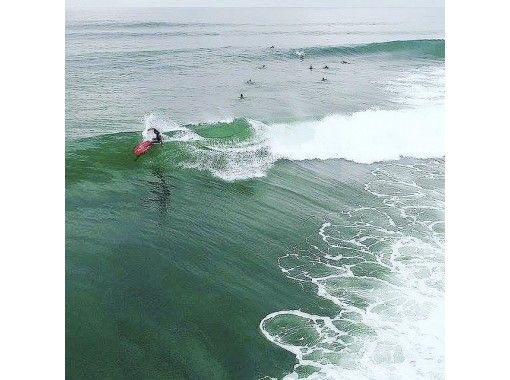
point(295, 233)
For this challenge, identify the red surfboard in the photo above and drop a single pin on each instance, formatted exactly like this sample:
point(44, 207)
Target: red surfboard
point(142, 148)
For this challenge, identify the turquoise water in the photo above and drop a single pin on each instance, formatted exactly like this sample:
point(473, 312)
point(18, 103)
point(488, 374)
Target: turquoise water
point(295, 233)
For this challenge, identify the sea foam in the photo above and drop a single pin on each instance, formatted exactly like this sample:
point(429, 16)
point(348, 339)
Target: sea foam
point(382, 268)
point(365, 137)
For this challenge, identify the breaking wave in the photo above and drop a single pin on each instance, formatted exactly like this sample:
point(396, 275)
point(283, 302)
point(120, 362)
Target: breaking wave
point(243, 149)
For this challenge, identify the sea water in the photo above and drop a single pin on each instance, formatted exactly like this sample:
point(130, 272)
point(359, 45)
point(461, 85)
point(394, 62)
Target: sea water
point(298, 232)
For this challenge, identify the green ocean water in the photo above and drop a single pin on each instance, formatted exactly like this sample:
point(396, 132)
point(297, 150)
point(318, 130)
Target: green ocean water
point(298, 233)
point(174, 270)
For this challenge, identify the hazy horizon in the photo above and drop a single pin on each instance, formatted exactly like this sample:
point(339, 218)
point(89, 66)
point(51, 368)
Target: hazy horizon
point(77, 4)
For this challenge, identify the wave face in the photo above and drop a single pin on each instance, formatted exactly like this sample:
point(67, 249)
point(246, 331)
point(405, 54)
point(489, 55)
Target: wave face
point(382, 266)
point(412, 48)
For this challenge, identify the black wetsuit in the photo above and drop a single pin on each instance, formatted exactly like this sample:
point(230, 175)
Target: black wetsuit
point(158, 138)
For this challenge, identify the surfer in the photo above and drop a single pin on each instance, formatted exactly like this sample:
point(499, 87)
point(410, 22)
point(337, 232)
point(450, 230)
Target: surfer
point(157, 136)
point(250, 81)
point(271, 47)
point(311, 67)
point(241, 97)
point(323, 79)
point(345, 62)
point(326, 67)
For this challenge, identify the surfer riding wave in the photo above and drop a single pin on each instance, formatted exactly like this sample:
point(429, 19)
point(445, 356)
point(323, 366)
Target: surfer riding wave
point(155, 136)
point(151, 136)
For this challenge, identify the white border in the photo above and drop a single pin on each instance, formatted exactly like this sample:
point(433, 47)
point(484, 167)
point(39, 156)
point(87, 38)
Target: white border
point(32, 268)
point(477, 146)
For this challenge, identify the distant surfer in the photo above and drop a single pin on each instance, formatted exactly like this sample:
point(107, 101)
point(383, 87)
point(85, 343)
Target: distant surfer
point(311, 67)
point(326, 67)
point(345, 62)
point(241, 96)
point(323, 79)
point(249, 81)
point(157, 139)
point(271, 47)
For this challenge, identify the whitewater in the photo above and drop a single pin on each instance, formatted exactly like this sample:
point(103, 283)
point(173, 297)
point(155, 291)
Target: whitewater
point(383, 267)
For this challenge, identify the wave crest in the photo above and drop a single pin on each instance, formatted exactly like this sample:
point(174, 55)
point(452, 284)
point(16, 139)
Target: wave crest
point(365, 137)
point(415, 48)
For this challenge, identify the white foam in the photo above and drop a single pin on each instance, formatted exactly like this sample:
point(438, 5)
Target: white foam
point(160, 123)
point(164, 124)
point(418, 87)
point(399, 333)
point(231, 160)
point(365, 137)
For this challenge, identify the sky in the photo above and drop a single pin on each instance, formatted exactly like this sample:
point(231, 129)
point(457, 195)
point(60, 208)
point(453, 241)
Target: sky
point(253, 3)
